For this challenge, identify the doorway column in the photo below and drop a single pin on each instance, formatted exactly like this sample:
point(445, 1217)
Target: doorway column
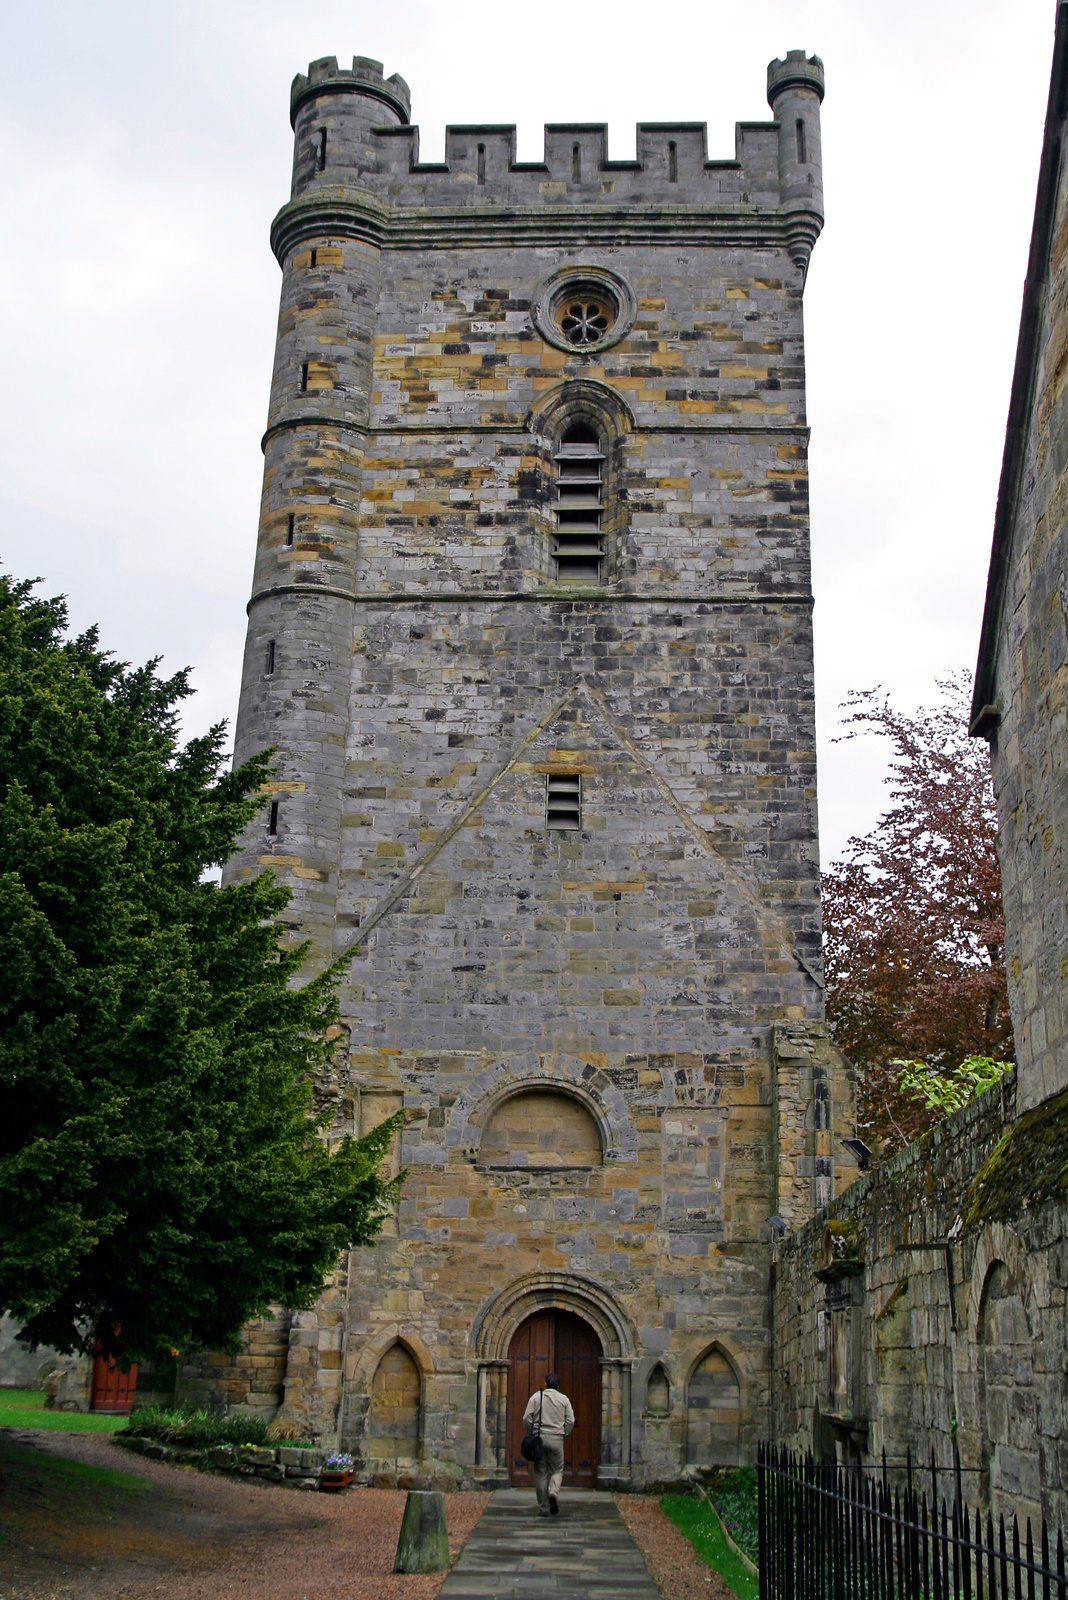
point(614, 1467)
point(491, 1419)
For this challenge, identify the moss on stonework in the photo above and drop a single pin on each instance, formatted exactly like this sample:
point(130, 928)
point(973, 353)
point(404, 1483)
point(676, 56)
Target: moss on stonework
point(1028, 1166)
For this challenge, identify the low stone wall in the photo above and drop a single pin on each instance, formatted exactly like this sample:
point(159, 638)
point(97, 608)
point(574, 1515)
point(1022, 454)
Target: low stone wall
point(938, 1316)
point(289, 1465)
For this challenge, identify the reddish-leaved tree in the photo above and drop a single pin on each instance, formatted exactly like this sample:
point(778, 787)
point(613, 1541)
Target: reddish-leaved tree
point(912, 915)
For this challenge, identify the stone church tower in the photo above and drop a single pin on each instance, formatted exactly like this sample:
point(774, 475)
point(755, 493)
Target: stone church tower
point(531, 632)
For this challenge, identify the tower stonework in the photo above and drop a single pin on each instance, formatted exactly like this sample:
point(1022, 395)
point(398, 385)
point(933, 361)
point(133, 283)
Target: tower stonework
point(531, 634)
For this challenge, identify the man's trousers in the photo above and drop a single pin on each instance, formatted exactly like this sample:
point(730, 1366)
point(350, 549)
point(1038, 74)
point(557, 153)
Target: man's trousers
point(549, 1471)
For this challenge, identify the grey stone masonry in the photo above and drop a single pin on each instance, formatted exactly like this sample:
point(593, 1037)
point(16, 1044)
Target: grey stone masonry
point(605, 1032)
point(1021, 687)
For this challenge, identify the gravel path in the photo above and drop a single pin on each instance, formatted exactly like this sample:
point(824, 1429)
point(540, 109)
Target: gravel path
point(194, 1536)
point(670, 1557)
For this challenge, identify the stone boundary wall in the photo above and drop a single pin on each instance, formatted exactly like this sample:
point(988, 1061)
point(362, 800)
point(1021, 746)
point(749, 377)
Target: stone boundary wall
point(295, 1467)
point(922, 1332)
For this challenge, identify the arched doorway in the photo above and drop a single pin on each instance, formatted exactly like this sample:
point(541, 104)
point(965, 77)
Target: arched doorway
point(560, 1342)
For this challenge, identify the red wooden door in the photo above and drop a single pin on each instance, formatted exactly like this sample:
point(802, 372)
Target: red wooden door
point(557, 1341)
point(112, 1390)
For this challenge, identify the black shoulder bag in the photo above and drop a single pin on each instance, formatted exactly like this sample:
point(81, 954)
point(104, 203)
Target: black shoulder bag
point(533, 1448)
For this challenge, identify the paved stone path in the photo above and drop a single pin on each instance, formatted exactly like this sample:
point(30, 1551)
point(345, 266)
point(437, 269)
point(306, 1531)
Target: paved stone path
point(586, 1553)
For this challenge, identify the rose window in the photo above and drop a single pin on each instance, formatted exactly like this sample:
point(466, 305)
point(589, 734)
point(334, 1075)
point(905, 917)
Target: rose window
point(584, 321)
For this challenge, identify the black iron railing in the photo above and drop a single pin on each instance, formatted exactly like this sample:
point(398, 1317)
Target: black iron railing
point(827, 1533)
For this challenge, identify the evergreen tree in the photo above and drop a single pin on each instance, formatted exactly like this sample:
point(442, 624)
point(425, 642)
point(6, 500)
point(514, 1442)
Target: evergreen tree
point(162, 1174)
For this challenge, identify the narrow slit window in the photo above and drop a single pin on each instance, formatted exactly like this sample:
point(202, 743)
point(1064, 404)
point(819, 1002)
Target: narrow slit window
point(320, 157)
point(482, 163)
point(314, 258)
point(576, 163)
point(291, 528)
point(563, 802)
point(578, 546)
point(304, 377)
point(272, 820)
point(673, 162)
point(800, 131)
point(269, 663)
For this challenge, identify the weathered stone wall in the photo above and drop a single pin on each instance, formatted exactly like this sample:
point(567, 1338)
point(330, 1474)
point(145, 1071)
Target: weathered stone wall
point(951, 1333)
point(1022, 688)
point(423, 669)
point(252, 1381)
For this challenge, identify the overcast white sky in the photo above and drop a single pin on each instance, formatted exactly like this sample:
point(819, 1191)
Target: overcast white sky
point(144, 149)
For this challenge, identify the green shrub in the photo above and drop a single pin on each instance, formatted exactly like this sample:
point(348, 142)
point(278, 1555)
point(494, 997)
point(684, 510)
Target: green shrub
point(186, 1426)
point(735, 1498)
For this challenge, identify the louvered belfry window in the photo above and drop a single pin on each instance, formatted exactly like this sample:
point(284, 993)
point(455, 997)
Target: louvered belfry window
point(563, 801)
point(579, 545)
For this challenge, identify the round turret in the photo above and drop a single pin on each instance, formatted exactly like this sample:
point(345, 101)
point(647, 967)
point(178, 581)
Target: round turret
point(795, 90)
point(332, 112)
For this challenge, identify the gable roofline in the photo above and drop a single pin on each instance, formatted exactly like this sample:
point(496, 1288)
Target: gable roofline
point(985, 715)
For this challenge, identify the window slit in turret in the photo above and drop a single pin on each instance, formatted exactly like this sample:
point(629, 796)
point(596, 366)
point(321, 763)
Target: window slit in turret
point(563, 801)
point(673, 162)
point(272, 820)
point(269, 664)
point(579, 546)
point(800, 130)
point(576, 163)
point(320, 160)
point(291, 528)
point(314, 262)
point(304, 377)
point(482, 163)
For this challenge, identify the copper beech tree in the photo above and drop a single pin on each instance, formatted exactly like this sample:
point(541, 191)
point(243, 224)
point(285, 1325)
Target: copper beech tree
point(913, 923)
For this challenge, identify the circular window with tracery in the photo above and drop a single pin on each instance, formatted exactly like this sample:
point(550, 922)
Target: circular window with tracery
point(584, 309)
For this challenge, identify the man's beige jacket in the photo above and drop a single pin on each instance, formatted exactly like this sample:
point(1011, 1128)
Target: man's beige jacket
point(557, 1417)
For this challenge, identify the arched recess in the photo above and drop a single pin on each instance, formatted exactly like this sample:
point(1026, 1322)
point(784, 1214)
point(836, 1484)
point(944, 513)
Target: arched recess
point(658, 1393)
point(713, 1410)
point(593, 1089)
point(1000, 1322)
point(541, 1128)
point(393, 1431)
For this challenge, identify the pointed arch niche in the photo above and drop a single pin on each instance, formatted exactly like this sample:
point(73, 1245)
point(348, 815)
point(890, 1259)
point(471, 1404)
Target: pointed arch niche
point(580, 427)
point(713, 1411)
point(393, 1418)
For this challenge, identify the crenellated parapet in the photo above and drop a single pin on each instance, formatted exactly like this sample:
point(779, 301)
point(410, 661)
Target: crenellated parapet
point(357, 174)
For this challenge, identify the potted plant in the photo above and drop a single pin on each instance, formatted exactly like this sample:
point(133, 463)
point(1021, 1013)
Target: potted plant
point(338, 1471)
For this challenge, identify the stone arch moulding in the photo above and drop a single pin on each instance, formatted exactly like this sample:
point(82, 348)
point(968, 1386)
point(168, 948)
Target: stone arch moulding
point(575, 400)
point(734, 1357)
point(498, 1319)
point(362, 1365)
point(583, 1081)
point(997, 1242)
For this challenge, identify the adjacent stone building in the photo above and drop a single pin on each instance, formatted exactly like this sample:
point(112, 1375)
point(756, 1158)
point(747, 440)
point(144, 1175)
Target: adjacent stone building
point(531, 632)
point(1021, 681)
point(927, 1309)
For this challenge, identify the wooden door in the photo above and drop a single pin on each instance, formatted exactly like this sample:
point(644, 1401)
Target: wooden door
point(112, 1390)
point(557, 1341)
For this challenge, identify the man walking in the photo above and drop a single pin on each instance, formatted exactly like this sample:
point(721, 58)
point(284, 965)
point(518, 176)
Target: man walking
point(549, 1413)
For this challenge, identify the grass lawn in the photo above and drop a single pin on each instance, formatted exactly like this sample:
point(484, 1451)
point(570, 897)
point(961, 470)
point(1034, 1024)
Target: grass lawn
point(696, 1519)
point(24, 1408)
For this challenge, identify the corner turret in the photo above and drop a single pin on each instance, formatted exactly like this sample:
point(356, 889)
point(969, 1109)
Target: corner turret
point(795, 91)
point(332, 113)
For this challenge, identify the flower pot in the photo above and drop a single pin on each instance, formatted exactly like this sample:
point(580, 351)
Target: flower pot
point(332, 1481)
